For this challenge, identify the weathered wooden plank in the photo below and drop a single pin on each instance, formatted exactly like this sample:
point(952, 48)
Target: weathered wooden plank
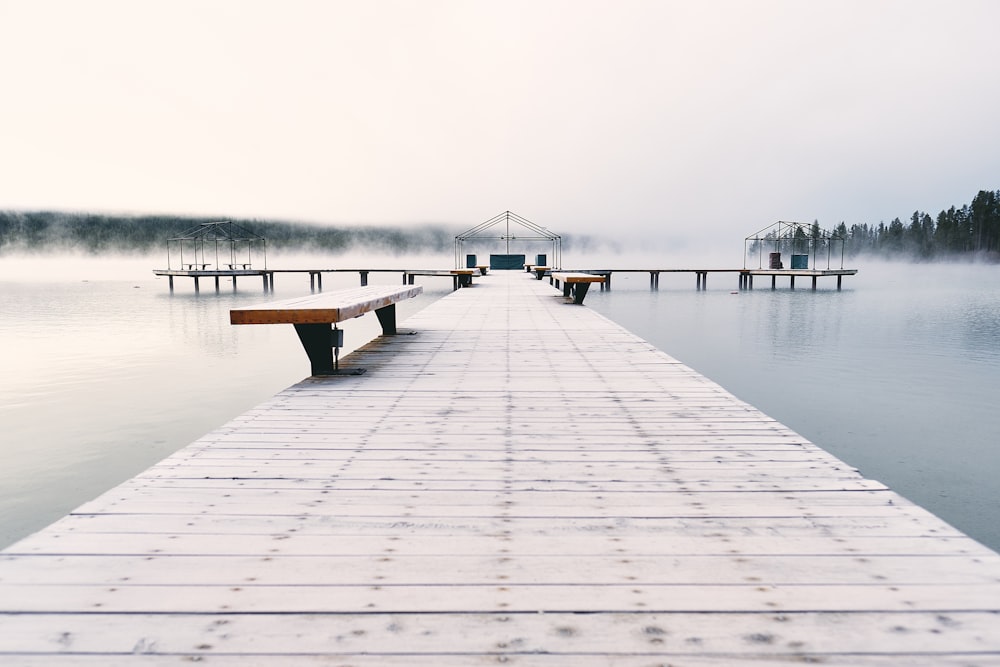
point(528, 502)
point(592, 638)
point(214, 479)
point(463, 660)
point(762, 503)
point(143, 537)
point(512, 597)
point(846, 529)
point(390, 568)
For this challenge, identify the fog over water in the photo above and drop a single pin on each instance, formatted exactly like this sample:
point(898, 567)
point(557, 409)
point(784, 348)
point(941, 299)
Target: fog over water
point(107, 372)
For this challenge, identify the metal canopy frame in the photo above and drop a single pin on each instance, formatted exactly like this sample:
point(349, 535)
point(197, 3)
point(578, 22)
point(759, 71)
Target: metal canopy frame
point(797, 236)
point(225, 242)
point(534, 232)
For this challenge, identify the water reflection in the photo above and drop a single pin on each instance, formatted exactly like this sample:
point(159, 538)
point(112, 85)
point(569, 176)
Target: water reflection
point(102, 378)
point(896, 374)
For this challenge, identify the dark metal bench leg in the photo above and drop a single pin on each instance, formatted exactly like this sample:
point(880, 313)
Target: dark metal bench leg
point(387, 318)
point(579, 292)
point(317, 339)
point(567, 288)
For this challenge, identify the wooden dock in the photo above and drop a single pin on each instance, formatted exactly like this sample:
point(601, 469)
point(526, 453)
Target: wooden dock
point(519, 482)
point(745, 281)
point(460, 277)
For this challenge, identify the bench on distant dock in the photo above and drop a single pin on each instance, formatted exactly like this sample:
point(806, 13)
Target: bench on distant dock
point(312, 316)
point(460, 277)
point(464, 276)
point(575, 284)
point(540, 271)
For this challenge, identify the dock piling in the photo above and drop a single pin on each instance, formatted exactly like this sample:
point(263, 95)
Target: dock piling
point(408, 276)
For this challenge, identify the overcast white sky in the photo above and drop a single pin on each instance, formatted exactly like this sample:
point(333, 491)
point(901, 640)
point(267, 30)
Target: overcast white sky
point(714, 117)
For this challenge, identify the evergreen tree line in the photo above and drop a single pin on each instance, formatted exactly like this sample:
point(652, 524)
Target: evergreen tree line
point(972, 230)
point(47, 231)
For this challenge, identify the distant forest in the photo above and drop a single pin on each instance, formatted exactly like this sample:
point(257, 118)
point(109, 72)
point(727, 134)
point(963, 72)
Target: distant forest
point(46, 231)
point(971, 231)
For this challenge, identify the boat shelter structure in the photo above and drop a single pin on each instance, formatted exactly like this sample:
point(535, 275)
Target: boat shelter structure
point(513, 227)
point(217, 246)
point(806, 244)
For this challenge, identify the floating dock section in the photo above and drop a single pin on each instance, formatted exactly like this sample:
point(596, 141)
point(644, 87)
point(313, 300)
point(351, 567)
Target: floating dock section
point(521, 481)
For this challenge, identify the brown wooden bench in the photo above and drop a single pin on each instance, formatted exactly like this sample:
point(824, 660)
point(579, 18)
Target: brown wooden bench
point(313, 314)
point(464, 276)
point(460, 277)
point(575, 284)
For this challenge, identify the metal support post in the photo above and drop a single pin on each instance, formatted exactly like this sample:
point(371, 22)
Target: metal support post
point(387, 318)
point(579, 292)
point(316, 340)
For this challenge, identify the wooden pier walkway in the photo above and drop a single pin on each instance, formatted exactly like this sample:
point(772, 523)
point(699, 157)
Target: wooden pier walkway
point(519, 482)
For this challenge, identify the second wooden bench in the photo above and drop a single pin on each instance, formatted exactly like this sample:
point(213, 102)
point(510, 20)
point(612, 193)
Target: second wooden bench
point(575, 284)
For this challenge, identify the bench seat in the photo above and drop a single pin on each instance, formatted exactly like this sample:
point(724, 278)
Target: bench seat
point(313, 314)
point(575, 284)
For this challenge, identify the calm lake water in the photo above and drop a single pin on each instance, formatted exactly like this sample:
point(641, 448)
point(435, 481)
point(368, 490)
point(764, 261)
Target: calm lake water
point(106, 372)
